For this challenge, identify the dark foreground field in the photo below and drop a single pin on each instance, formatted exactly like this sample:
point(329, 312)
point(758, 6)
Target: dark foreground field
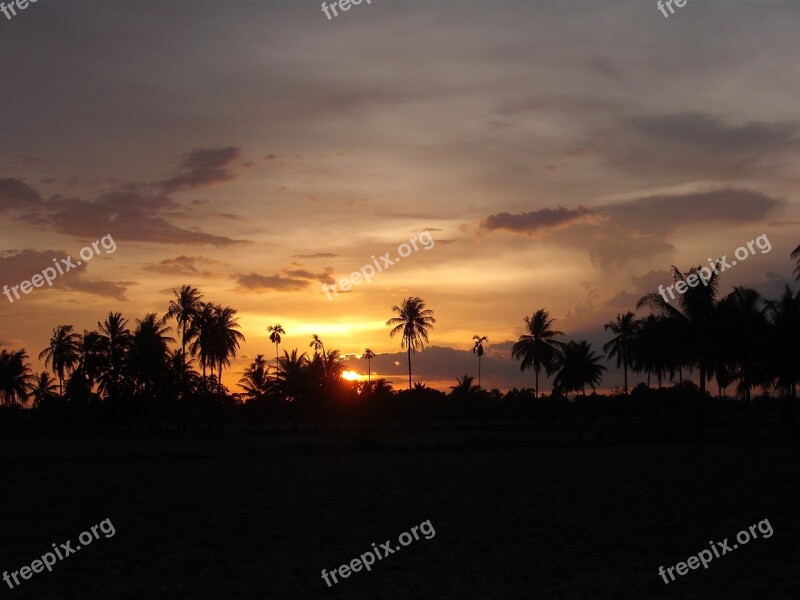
point(230, 517)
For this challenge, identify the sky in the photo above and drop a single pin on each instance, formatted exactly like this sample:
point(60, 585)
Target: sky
point(562, 155)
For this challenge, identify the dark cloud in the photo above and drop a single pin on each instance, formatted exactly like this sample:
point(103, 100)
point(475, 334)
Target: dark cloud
point(324, 277)
point(317, 255)
point(665, 213)
point(206, 166)
point(545, 218)
point(183, 265)
point(23, 265)
point(257, 282)
point(15, 194)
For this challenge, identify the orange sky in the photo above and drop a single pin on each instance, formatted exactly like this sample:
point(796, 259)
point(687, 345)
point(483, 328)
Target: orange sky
point(562, 155)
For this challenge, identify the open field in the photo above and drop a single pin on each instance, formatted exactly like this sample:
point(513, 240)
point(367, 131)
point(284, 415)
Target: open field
point(211, 517)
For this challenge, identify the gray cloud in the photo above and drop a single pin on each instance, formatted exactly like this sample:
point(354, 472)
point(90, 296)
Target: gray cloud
point(545, 218)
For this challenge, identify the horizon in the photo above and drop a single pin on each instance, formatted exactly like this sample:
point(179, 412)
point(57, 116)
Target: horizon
point(552, 164)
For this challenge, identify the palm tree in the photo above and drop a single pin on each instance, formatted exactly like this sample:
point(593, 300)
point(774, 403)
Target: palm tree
point(149, 351)
point(369, 355)
point(785, 315)
point(414, 322)
point(255, 380)
point(316, 344)
point(537, 347)
point(275, 333)
point(743, 314)
point(796, 254)
point(480, 340)
point(619, 346)
point(292, 377)
point(116, 340)
point(183, 309)
point(697, 310)
point(43, 389)
point(578, 367)
point(15, 377)
point(463, 388)
point(92, 359)
point(63, 353)
point(217, 339)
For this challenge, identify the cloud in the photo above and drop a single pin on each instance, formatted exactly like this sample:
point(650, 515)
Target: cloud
point(23, 265)
point(203, 167)
point(15, 194)
point(257, 282)
point(182, 265)
point(317, 255)
point(545, 218)
point(323, 277)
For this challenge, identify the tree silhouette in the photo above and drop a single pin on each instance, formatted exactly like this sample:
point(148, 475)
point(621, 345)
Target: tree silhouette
point(619, 346)
point(537, 348)
point(255, 380)
point(63, 353)
point(183, 309)
point(15, 377)
point(217, 338)
point(413, 322)
point(116, 339)
point(578, 367)
point(744, 315)
point(43, 389)
point(796, 254)
point(368, 355)
point(149, 352)
point(480, 340)
point(317, 344)
point(697, 309)
point(275, 333)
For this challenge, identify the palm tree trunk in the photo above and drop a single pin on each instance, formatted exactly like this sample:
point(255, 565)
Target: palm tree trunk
point(409, 365)
point(536, 391)
point(369, 370)
point(479, 371)
point(625, 369)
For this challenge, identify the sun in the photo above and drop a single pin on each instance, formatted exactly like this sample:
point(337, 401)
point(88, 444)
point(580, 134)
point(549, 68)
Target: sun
point(351, 376)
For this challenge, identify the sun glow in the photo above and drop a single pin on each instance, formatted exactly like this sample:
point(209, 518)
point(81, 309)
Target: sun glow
point(351, 376)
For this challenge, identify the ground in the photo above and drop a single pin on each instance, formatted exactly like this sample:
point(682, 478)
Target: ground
point(252, 515)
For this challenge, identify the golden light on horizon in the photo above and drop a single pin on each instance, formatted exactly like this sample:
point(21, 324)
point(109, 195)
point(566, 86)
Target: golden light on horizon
point(351, 376)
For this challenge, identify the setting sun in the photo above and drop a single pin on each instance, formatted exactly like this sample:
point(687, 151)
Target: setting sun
point(351, 376)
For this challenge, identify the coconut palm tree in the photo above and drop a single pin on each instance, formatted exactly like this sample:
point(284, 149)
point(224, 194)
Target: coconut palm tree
point(744, 315)
point(275, 333)
point(116, 340)
point(537, 348)
point(463, 388)
point(317, 344)
point(63, 353)
point(292, 382)
point(255, 380)
point(578, 366)
point(368, 355)
point(92, 359)
point(15, 377)
point(217, 339)
point(414, 322)
point(43, 388)
point(149, 352)
point(796, 254)
point(697, 310)
point(480, 340)
point(183, 309)
point(619, 346)
point(785, 316)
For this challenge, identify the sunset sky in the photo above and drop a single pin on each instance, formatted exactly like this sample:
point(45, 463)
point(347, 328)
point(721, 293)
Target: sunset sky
point(562, 154)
